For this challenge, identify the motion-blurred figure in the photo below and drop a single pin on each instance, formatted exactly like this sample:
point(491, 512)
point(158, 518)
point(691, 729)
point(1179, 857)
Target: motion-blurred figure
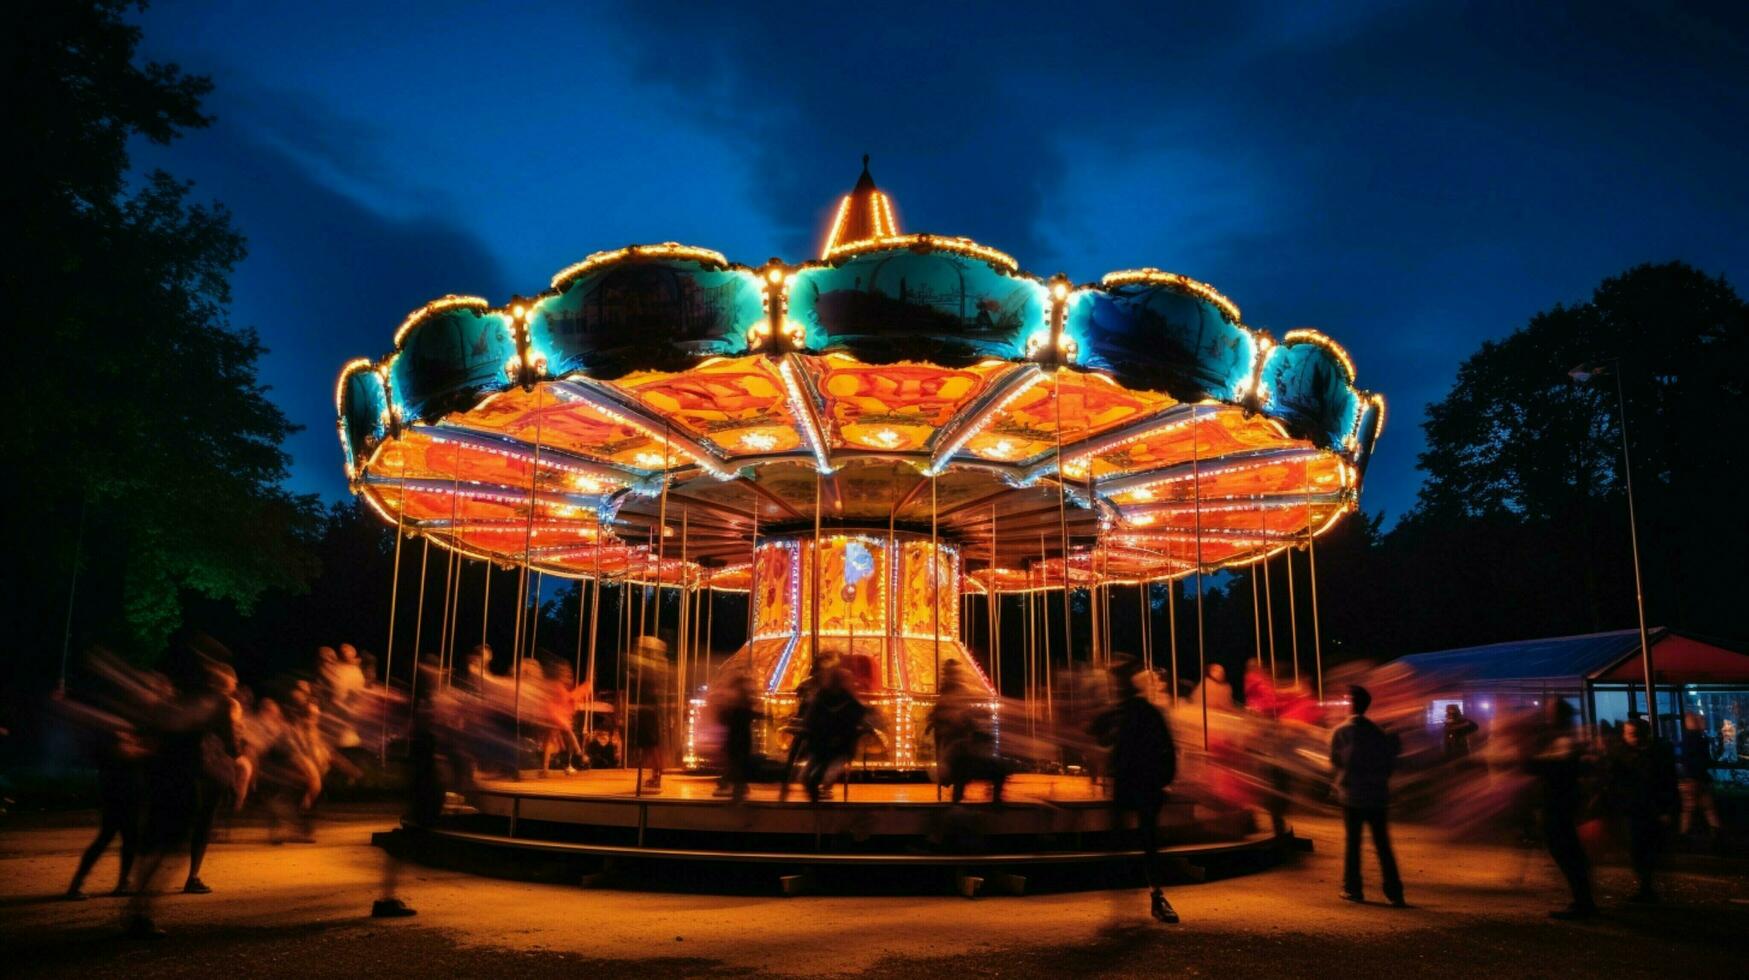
point(965, 743)
point(424, 787)
point(1362, 756)
point(736, 714)
point(1641, 786)
point(603, 749)
point(1214, 691)
point(1456, 734)
point(1557, 760)
point(1695, 782)
point(119, 751)
point(220, 755)
point(833, 726)
point(649, 714)
point(797, 724)
point(1142, 761)
point(180, 726)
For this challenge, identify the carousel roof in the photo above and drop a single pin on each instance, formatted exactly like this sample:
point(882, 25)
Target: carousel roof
point(902, 380)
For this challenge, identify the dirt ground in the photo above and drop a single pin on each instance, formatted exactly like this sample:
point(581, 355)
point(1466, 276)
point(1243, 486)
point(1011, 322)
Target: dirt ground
point(300, 910)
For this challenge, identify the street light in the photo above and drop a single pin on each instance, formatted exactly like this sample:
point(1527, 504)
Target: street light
point(1583, 374)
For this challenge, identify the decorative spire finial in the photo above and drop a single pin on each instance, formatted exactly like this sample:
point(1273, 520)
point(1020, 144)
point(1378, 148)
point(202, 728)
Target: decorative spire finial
point(863, 214)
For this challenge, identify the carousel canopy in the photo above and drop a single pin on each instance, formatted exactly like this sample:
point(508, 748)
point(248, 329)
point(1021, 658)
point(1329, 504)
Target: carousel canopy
point(657, 407)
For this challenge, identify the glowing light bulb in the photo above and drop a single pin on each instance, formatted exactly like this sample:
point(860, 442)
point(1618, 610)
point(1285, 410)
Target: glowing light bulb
point(1001, 449)
point(759, 441)
point(650, 461)
point(886, 438)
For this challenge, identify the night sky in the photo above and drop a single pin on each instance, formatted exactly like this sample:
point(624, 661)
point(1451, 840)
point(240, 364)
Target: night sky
point(1411, 178)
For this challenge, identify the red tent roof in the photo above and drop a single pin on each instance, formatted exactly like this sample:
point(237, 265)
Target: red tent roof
point(1678, 659)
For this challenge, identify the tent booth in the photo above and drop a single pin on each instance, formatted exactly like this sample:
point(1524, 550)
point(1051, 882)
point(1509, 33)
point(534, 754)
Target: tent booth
point(1600, 674)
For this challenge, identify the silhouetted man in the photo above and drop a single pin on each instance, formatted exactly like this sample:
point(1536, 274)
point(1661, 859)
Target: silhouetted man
point(1143, 760)
point(1642, 788)
point(1558, 762)
point(1363, 755)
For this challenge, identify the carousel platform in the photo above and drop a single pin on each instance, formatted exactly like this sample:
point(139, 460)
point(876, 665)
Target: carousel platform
point(1048, 827)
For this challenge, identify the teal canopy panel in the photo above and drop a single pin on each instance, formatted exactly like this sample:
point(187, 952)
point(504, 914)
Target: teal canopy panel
point(449, 360)
point(1157, 337)
point(907, 305)
point(659, 314)
point(1308, 389)
point(364, 414)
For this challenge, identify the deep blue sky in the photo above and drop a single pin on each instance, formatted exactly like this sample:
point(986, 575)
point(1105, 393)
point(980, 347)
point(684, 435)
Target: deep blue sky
point(1411, 178)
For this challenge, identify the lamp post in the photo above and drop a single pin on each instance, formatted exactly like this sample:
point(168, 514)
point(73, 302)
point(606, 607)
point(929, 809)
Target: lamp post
point(1582, 374)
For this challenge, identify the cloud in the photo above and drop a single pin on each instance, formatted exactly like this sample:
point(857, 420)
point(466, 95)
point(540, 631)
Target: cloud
point(327, 276)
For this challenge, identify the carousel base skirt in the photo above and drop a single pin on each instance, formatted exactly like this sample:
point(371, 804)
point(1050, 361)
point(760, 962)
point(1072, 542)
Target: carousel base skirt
point(1055, 828)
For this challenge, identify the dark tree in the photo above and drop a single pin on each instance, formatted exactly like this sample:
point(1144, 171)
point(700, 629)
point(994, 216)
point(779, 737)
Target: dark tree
point(1521, 526)
point(143, 454)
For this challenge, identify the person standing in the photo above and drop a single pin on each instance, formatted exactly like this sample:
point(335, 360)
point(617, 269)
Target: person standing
point(1695, 782)
point(1641, 786)
point(1142, 761)
point(1556, 757)
point(1362, 756)
point(1458, 730)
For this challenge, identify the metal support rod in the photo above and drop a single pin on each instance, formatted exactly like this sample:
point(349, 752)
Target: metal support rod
point(394, 597)
point(1627, 468)
point(1293, 617)
point(1201, 653)
point(418, 626)
point(1269, 614)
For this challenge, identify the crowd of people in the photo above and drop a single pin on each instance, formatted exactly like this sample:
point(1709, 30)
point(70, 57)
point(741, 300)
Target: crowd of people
point(178, 750)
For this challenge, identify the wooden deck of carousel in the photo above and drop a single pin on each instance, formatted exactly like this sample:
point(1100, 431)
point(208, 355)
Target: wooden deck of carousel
point(603, 819)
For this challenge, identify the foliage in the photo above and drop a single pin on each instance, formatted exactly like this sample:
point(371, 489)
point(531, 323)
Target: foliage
point(146, 453)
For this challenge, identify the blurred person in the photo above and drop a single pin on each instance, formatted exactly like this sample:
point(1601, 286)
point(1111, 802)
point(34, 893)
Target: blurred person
point(1260, 693)
point(1694, 784)
point(1363, 756)
point(649, 717)
point(736, 715)
point(561, 707)
point(833, 726)
point(1456, 734)
point(1214, 690)
point(1556, 757)
point(965, 743)
point(219, 757)
point(1728, 741)
point(180, 726)
point(120, 753)
point(425, 791)
point(796, 724)
point(1142, 761)
point(1641, 786)
point(600, 750)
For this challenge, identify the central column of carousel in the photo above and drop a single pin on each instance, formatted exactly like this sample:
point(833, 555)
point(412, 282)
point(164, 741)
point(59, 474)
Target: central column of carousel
point(880, 606)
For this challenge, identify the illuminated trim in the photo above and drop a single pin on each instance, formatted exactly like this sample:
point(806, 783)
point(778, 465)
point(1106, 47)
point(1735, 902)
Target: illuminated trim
point(1001, 394)
point(442, 303)
point(837, 226)
point(1306, 335)
point(925, 243)
point(663, 250)
point(807, 420)
point(1156, 277)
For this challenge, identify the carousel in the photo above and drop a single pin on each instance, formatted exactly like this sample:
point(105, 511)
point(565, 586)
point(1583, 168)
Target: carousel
point(885, 449)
